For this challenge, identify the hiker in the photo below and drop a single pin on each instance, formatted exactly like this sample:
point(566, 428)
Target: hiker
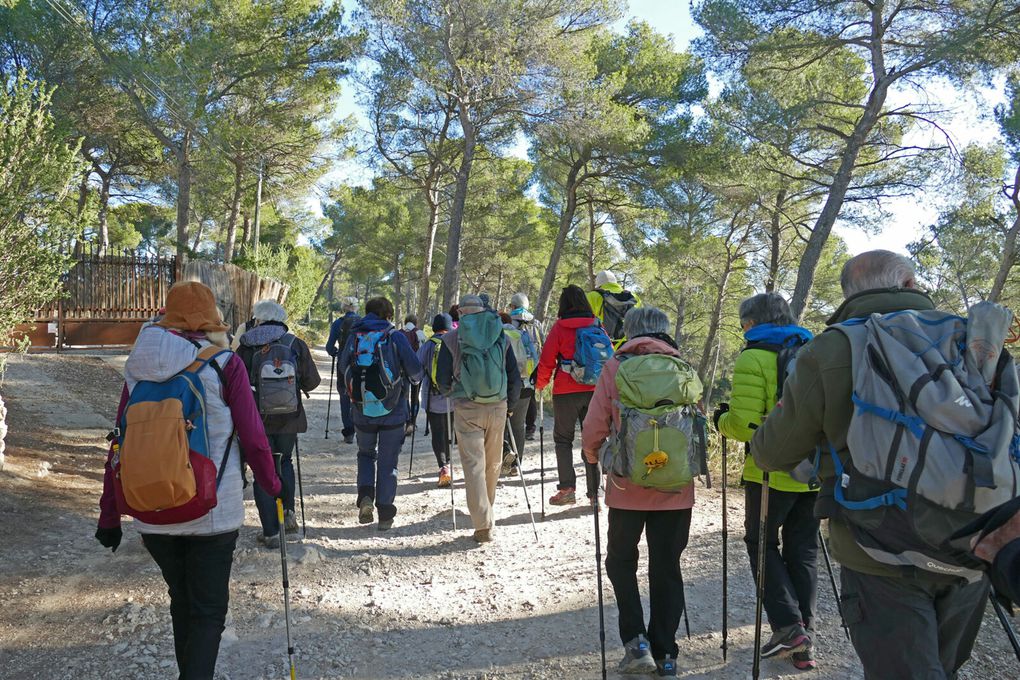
point(339, 334)
point(523, 320)
point(570, 398)
point(886, 393)
point(437, 406)
point(414, 337)
point(610, 304)
point(280, 367)
point(455, 315)
point(527, 360)
point(379, 369)
point(478, 371)
point(663, 514)
point(791, 574)
point(194, 554)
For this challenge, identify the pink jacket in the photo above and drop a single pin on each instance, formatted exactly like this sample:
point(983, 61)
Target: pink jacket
point(621, 493)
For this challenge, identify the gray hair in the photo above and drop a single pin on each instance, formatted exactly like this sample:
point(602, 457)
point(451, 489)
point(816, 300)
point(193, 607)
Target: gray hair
point(876, 269)
point(766, 308)
point(644, 321)
point(269, 310)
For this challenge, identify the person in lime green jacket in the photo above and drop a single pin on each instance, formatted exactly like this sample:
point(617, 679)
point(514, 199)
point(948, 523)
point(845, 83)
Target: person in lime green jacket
point(610, 303)
point(791, 574)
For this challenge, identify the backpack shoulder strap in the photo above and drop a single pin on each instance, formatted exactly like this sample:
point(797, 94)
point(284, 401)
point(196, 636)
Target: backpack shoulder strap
point(290, 337)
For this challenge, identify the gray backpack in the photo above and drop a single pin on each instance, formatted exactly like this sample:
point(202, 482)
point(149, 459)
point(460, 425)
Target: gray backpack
point(933, 438)
point(275, 377)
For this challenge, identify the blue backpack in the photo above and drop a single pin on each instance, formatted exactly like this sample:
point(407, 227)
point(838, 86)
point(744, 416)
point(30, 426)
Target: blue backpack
point(373, 374)
point(592, 349)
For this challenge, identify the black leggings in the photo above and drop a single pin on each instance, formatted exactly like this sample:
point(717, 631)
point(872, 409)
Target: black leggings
point(569, 411)
point(439, 427)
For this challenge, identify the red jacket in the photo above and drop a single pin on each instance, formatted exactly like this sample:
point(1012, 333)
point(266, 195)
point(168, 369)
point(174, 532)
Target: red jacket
point(559, 345)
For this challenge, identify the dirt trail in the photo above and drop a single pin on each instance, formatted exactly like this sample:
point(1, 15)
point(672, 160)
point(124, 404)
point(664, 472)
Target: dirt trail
point(421, 601)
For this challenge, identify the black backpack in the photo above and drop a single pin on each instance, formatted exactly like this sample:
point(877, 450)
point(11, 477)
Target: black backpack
point(614, 307)
point(785, 356)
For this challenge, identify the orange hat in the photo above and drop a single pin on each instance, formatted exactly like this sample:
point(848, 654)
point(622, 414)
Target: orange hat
point(190, 306)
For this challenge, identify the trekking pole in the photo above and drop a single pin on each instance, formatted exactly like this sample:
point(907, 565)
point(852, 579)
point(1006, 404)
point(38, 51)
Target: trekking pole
point(725, 555)
point(760, 594)
point(687, 621)
point(598, 580)
point(524, 485)
point(329, 400)
point(832, 580)
point(449, 456)
point(541, 447)
point(283, 560)
point(301, 489)
point(1006, 626)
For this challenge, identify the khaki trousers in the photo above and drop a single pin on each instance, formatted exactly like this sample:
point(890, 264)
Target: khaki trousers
point(479, 429)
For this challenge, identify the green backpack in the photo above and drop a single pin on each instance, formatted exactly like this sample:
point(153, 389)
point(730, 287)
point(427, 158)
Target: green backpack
point(482, 375)
point(657, 443)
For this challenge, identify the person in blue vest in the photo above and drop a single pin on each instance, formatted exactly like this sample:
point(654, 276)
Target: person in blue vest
point(381, 361)
point(339, 332)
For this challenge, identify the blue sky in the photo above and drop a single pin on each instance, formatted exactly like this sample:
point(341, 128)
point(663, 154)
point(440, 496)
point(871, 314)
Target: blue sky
point(969, 123)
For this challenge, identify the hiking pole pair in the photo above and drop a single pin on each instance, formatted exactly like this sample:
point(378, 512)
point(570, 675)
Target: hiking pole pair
point(520, 471)
point(329, 400)
point(760, 559)
point(449, 460)
point(1006, 626)
point(598, 580)
point(832, 580)
point(541, 448)
point(277, 457)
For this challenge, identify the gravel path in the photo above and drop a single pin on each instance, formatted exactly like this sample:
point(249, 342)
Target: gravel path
point(421, 601)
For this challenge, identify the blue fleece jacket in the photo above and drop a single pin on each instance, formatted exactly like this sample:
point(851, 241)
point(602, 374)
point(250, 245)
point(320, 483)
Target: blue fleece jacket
point(410, 369)
point(336, 330)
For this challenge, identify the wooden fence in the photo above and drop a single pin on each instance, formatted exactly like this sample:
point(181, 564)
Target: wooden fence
point(107, 297)
point(236, 290)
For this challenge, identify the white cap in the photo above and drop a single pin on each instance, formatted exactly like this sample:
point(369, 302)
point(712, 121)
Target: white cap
point(603, 277)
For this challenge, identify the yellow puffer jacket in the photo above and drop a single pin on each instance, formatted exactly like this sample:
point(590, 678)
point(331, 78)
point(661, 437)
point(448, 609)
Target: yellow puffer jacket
point(752, 397)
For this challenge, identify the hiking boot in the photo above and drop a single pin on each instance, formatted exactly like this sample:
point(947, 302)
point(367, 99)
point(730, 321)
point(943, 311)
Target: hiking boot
point(563, 497)
point(805, 660)
point(666, 668)
point(444, 477)
point(529, 434)
point(637, 657)
point(385, 524)
point(290, 521)
point(515, 471)
point(482, 535)
point(348, 439)
point(365, 511)
point(271, 542)
point(785, 641)
point(508, 463)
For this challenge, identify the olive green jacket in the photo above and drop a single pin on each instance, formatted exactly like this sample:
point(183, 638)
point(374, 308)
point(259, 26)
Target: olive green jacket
point(816, 410)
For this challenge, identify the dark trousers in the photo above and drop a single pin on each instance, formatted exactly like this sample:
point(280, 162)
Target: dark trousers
point(912, 628)
point(520, 412)
point(791, 573)
point(346, 415)
point(439, 426)
point(197, 574)
point(531, 417)
point(415, 402)
point(666, 533)
point(266, 504)
point(378, 452)
point(569, 411)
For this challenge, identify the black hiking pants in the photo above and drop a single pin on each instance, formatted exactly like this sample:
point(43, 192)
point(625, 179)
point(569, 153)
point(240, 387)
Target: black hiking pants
point(569, 411)
point(791, 572)
point(440, 431)
point(520, 412)
point(912, 628)
point(197, 574)
point(666, 533)
point(531, 417)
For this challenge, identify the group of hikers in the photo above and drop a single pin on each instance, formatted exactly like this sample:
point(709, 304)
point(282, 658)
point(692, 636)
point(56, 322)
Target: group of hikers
point(898, 425)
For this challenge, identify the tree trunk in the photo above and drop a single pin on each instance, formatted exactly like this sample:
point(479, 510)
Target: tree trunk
point(566, 220)
point(499, 290)
point(451, 273)
point(198, 236)
point(716, 320)
point(83, 199)
point(775, 243)
point(1009, 245)
point(235, 208)
point(430, 245)
point(245, 231)
point(709, 385)
point(681, 313)
point(102, 223)
point(834, 201)
point(591, 244)
point(183, 154)
point(398, 290)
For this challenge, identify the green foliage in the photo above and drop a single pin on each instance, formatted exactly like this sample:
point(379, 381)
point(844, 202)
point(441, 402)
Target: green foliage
point(37, 168)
